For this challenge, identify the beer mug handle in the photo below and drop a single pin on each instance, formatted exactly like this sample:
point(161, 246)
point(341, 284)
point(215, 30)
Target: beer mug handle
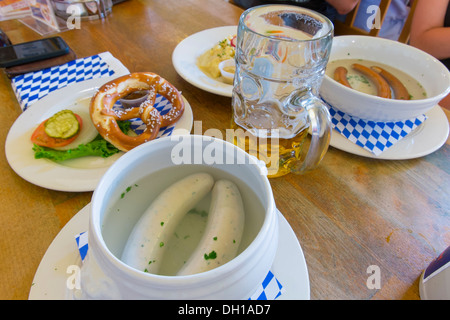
point(320, 131)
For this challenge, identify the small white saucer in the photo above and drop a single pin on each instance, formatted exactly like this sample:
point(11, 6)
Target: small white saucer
point(53, 273)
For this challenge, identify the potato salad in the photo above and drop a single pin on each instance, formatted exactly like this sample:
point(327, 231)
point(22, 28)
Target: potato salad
point(209, 61)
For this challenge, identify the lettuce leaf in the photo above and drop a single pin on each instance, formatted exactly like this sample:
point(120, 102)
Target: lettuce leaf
point(98, 147)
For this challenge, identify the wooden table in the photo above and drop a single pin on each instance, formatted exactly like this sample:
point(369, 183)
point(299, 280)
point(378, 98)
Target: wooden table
point(350, 213)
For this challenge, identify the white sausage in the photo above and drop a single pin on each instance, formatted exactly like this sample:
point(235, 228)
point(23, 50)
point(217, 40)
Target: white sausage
point(223, 231)
point(146, 244)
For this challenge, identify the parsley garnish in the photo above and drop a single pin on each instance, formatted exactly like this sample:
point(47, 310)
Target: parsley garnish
point(211, 255)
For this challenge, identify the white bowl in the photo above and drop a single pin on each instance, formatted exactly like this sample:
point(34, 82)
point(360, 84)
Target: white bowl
point(430, 72)
point(105, 276)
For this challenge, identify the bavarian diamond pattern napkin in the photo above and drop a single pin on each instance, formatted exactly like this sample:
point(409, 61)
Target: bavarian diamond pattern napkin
point(373, 136)
point(31, 87)
point(270, 288)
point(163, 105)
point(82, 244)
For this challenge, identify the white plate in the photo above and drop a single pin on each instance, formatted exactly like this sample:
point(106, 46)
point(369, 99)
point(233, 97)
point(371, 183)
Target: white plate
point(77, 176)
point(185, 55)
point(425, 139)
point(50, 280)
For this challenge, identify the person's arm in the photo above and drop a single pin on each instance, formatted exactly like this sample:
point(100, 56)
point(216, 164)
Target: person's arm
point(427, 29)
point(343, 6)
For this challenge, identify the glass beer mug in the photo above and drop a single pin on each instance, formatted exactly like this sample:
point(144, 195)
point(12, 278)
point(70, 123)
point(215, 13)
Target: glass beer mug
point(281, 55)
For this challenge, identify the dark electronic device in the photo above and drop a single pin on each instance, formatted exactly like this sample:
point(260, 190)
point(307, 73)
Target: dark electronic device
point(4, 40)
point(26, 52)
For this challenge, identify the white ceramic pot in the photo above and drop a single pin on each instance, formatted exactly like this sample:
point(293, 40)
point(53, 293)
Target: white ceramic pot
point(105, 276)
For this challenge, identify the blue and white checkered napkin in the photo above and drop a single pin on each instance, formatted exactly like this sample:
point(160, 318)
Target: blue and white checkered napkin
point(373, 136)
point(163, 105)
point(32, 86)
point(82, 244)
point(270, 288)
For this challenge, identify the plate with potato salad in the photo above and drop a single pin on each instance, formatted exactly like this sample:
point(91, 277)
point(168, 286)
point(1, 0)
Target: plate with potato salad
point(196, 58)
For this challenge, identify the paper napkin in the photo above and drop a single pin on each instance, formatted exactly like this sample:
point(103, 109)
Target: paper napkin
point(375, 137)
point(82, 244)
point(270, 288)
point(31, 87)
point(163, 105)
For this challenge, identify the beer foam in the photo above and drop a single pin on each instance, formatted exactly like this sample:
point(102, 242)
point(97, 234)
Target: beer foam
point(287, 22)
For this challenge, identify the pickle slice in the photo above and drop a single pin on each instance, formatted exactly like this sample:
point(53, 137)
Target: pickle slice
point(62, 125)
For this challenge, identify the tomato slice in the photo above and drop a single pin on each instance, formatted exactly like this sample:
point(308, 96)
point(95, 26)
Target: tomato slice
point(40, 138)
point(233, 41)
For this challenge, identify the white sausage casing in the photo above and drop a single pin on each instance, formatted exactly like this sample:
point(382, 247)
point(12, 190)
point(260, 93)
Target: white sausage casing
point(220, 241)
point(146, 244)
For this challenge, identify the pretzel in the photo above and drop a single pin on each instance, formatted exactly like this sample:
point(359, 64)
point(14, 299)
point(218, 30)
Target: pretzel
point(105, 118)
